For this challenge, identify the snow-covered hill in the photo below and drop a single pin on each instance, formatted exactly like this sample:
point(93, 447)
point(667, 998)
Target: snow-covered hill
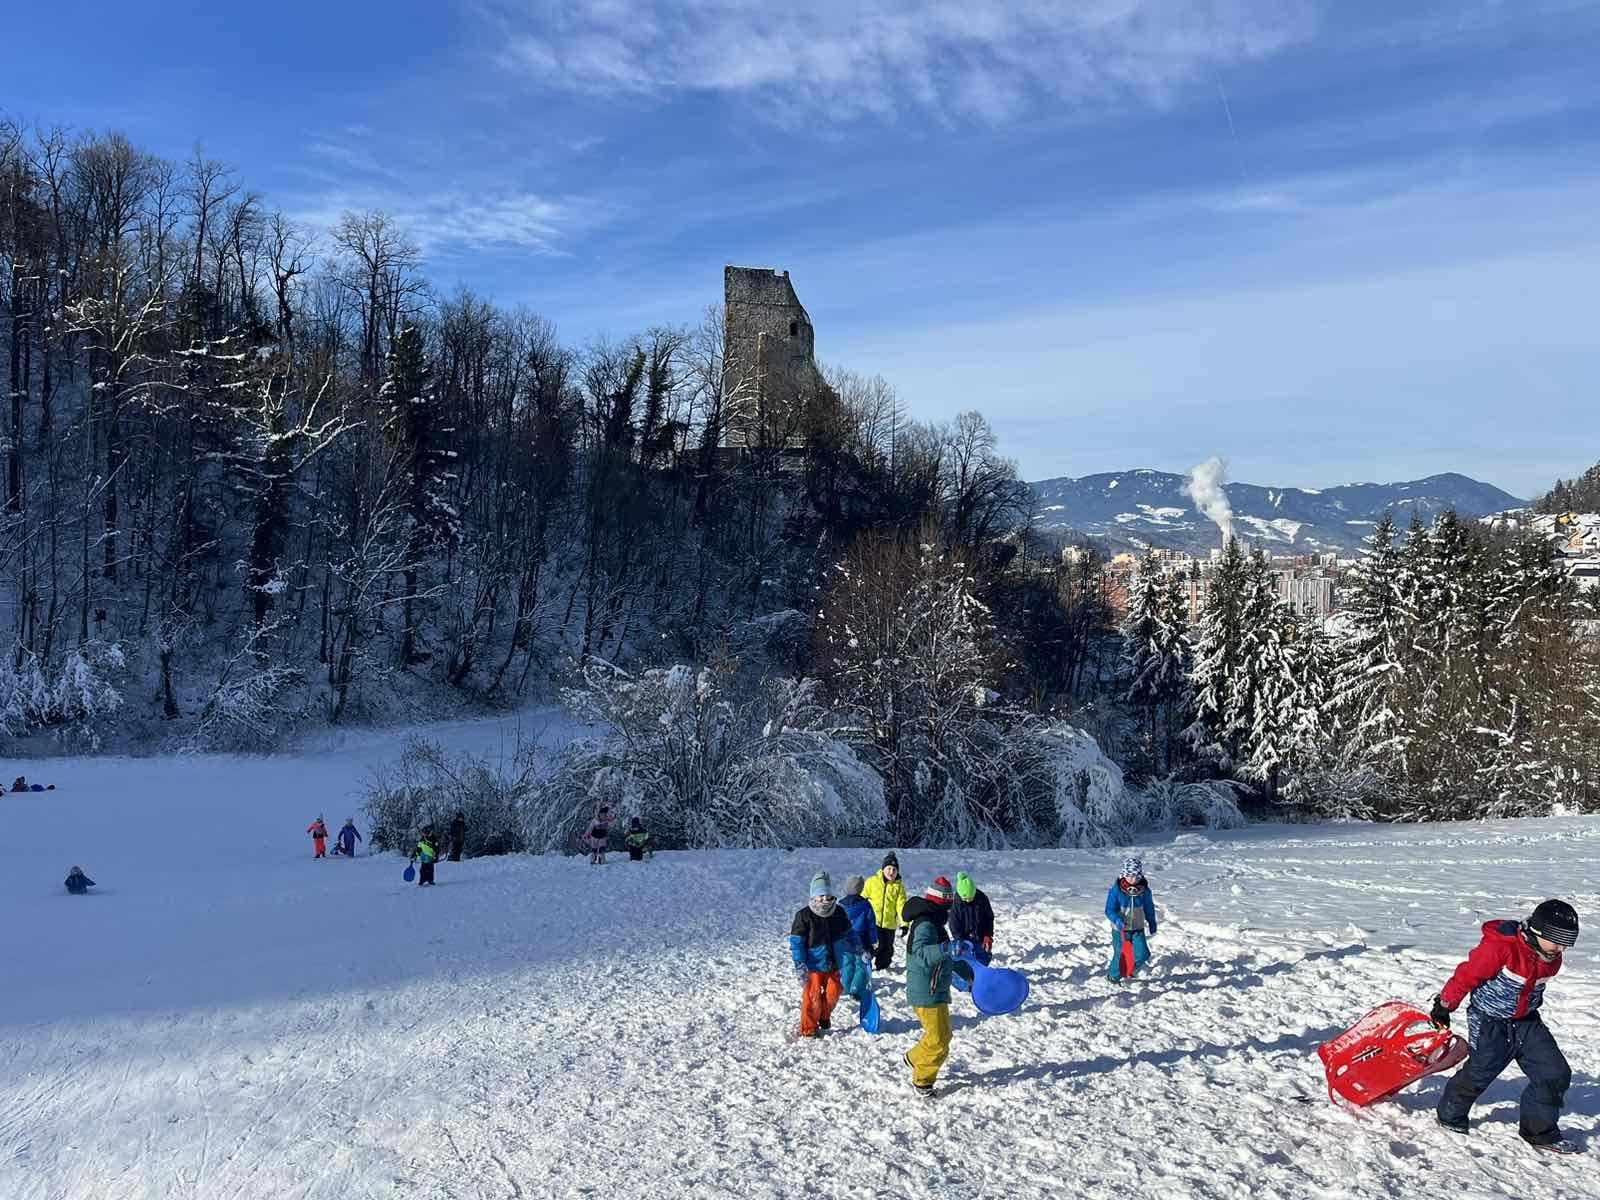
point(227, 1018)
point(1132, 509)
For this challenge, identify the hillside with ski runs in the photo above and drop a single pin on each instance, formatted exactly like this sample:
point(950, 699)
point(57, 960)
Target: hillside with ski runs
point(1136, 510)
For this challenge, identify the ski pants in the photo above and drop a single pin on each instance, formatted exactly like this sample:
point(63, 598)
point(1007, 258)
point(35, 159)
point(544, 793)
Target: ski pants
point(885, 954)
point(1120, 966)
point(635, 854)
point(855, 977)
point(425, 875)
point(1495, 1044)
point(928, 1055)
point(817, 1001)
point(320, 847)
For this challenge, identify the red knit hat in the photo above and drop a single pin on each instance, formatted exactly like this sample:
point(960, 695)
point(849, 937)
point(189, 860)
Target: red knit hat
point(939, 891)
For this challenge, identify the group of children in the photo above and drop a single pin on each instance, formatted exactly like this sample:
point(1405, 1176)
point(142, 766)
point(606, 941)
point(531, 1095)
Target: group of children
point(344, 845)
point(834, 944)
point(597, 838)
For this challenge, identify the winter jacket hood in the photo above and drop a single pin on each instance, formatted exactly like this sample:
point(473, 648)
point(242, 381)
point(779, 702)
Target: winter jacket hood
point(1503, 975)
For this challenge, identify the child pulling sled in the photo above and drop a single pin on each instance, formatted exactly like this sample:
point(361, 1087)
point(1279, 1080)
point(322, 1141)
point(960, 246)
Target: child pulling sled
point(1132, 912)
point(1504, 978)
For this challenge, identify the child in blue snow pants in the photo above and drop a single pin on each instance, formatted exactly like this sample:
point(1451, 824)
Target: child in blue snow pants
point(1132, 913)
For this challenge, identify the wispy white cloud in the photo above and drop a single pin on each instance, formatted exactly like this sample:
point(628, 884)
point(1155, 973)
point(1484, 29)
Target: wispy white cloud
point(453, 220)
point(834, 61)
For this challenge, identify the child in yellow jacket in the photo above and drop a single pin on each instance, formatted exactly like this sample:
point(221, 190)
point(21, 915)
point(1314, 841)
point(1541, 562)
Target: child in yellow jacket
point(886, 892)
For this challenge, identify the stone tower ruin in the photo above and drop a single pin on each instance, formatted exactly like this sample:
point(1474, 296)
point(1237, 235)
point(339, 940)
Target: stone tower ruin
point(769, 356)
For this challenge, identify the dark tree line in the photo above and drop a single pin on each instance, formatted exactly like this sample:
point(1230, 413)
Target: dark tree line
point(1580, 495)
point(261, 472)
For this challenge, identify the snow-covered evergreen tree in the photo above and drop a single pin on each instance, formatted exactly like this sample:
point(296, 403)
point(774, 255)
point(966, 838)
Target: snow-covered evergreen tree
point(1218, 642)
point(1156, 654)
point(1370, 659)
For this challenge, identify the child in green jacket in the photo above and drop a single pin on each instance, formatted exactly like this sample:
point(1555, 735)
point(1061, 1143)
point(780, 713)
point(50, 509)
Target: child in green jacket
point(426, 854)
point(930, 962)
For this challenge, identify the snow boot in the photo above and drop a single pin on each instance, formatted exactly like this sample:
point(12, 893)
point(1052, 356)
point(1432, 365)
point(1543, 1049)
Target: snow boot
point(1559, 1146)
point(1453, 1126)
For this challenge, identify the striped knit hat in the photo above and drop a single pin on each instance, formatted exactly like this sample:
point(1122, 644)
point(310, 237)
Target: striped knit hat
point(1556, 921)
point(939, 891)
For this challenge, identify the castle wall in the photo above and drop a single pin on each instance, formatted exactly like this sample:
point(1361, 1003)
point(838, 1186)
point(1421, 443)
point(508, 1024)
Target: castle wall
point(769, 347)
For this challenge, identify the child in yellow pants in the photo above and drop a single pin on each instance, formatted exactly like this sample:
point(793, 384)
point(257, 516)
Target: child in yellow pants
point(930, 962)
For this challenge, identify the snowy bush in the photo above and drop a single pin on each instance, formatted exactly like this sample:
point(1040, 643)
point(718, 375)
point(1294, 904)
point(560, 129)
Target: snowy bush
point(704, 766)
point(78, 694)
point(1173, 803)
point(1095, 807)
point(427, 787)
point(249, 712)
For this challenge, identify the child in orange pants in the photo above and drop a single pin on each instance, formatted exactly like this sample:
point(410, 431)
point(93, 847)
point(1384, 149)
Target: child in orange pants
point(819, 941)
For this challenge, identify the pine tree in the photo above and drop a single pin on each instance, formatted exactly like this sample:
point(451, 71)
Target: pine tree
point(1217, 646)
point(1370, 662)
point(1155, 650)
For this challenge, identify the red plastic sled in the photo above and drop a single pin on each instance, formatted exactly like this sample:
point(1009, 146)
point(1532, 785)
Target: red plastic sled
point(1390, 1048)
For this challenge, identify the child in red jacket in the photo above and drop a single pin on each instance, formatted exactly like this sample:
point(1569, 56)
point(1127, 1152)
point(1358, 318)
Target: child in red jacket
point(1505, 976)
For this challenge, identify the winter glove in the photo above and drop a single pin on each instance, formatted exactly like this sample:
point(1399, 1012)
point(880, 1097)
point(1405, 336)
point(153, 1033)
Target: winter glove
point(988, 945)
point(960, 948)
point(905, 931)
point(1440, 1014)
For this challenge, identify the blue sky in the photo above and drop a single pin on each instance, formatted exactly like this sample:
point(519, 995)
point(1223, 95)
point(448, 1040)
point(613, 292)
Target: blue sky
point(1328, 241)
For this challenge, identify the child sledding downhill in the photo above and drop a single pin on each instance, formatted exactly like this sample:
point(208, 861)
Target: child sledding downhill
point(820, 942)
point(1505, 977)
point(930, 964)
point(1132, 913)
point(318, 830)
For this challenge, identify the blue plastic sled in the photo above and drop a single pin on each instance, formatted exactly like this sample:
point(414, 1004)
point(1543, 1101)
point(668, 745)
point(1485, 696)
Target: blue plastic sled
point(996, 990)
point(410, 873)
point(869, 1012)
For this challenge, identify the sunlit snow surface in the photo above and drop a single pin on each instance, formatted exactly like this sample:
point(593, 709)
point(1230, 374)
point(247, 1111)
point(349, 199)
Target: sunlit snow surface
point(227, 1018)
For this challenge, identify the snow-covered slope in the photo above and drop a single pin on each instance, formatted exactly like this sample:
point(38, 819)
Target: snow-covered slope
point(1131, 509)
point(228, 1018)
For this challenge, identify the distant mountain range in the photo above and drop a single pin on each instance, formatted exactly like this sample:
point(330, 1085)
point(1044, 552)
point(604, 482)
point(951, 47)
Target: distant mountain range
point(1131, 510)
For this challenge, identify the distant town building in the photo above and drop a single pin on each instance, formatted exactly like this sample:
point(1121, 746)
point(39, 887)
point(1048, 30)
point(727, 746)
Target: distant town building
point(1576, 537)
point(1307, 594)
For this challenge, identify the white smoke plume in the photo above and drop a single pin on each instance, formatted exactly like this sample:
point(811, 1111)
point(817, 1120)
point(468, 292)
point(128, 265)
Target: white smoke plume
point(1205, 488)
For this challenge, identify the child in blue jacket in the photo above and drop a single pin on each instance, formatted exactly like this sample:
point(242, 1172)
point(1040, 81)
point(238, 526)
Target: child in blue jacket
point(1132, 913)
point(820, 942)
point(855, 976)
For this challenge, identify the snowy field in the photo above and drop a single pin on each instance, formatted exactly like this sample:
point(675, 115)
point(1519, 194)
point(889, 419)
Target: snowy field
point(226, 1018)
